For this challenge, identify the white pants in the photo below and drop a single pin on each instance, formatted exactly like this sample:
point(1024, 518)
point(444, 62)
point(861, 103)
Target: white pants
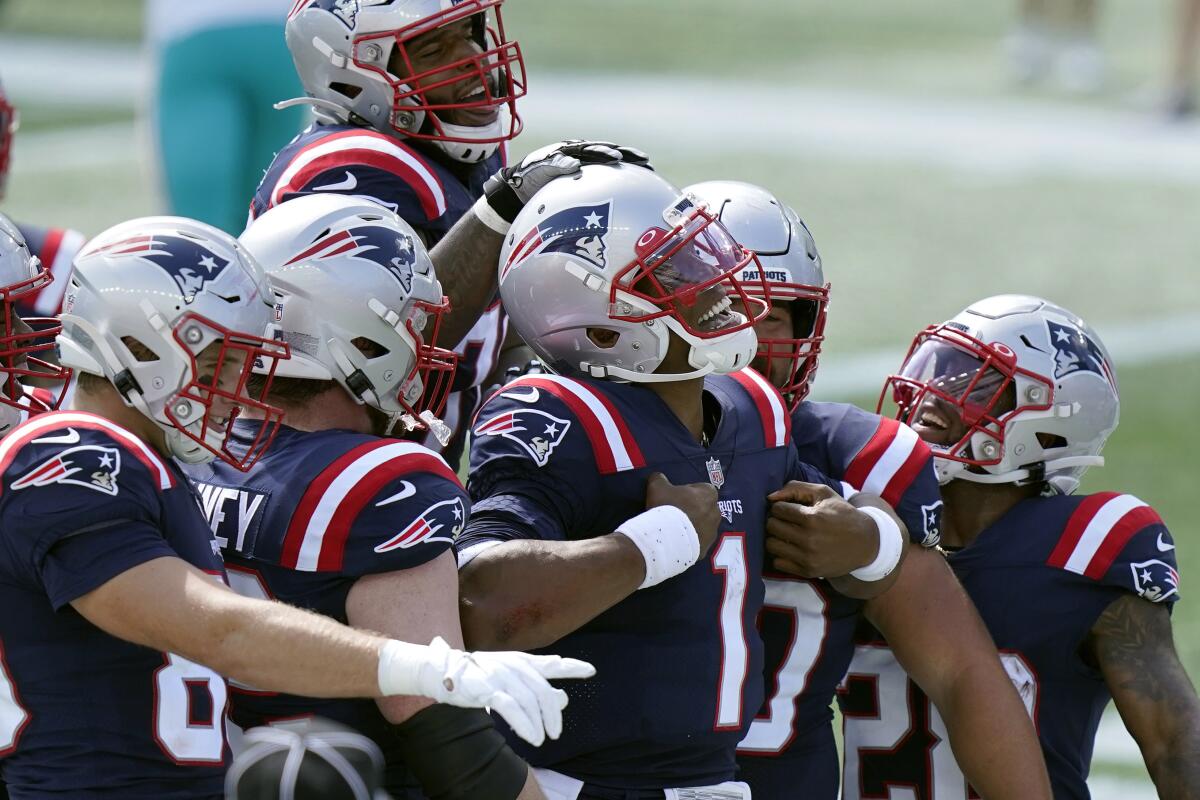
point(557, 786)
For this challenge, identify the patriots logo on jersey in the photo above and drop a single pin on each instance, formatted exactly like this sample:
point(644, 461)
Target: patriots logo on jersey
point(90, 466)
point(1075, 352)
point(395, 252)
point(1155, 580)
point(537, 432)
point(188, 261)
point(449, 516)
point(578, 232)
point(931, 518)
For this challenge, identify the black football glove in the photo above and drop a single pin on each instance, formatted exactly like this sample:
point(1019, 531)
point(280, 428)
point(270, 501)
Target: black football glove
point(507, 191)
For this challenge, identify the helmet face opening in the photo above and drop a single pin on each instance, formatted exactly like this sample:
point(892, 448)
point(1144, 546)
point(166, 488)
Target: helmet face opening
point(434, 366)
point(221, 363)
point(791, 361)
point(691, 274)
point(462, 98)
point(23, 342)
point(959, 393)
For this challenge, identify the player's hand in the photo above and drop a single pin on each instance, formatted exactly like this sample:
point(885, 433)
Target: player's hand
point(813, 533)
point(697, 500)
point(507, 191)
point(514, 685)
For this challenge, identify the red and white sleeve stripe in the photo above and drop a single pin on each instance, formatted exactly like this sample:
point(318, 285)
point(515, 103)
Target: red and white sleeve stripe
point(57, 255)
point(889, 462)
point(349, 148)
point(44, 425)
point(776, 421)
point(612, 441)
point(320, 525)
point(1098, 531)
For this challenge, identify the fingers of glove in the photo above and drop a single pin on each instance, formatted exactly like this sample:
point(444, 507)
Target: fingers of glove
point(521, 683)
point(524, 724)
point(631, 155)
point(593, 153)
point(550, 700)
point(556, 667)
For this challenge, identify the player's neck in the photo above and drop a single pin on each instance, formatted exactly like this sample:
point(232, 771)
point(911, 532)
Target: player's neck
point(971, 508)
point(686, 401)
point(332, 409)
point(103, 401)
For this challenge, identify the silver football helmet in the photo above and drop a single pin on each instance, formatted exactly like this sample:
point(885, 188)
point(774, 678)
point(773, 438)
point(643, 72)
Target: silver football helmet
point(24, 342)
point(602, 267)
point(1013, 389)
point(175, 314)
point(791, 269)
point(359, 303)
point(365, 62)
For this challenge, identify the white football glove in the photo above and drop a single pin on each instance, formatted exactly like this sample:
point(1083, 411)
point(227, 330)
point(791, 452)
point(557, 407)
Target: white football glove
point(514, 685)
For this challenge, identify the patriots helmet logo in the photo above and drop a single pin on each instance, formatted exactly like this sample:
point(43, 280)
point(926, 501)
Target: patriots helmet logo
point(188, 261)
point(536, 432)
point(395, 252)
point(1155, 580)
point(1074, 352)
point(579, 232)
point(344, 10)
point(90, 466)
point(441, 522)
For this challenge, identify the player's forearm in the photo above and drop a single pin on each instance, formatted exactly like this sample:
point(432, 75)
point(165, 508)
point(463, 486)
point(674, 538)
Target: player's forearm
point(992, 736)
point(1175, 770)
point(466, 262)
point(280, 648)
point(527, 594)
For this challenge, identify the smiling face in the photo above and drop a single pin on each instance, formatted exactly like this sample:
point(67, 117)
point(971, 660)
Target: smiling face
point(447, 73)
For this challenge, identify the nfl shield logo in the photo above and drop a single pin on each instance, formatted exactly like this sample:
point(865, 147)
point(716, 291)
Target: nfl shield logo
point(716, 475)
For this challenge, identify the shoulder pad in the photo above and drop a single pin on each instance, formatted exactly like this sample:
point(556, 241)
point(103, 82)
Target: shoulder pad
point(1120, 540)
point(769, 405)
point(366, 163)
point(322, 521)
point(537, 415)
point(74, 448)
point(888, 461)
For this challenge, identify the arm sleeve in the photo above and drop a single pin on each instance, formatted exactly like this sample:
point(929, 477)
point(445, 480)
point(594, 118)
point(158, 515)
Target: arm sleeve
point(799, 471)
point(1146, 564)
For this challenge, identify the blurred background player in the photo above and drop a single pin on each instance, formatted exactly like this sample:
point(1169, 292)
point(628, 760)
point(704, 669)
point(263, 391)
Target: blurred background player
point(1017, 397)
point(112, 674)
point(55, 248)
point(806, 625)
point(334, 517)
point(1057, 37)
point(600, 489)
point(221, 65)
point(31, 381)
point(1185, 61)
point(312, 760)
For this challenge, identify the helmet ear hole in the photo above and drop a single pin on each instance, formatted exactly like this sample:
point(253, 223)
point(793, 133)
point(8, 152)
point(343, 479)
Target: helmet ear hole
point(139, 351)
point(1049, 441)
point(368, 347)
point(603, 338)
point(346, 89)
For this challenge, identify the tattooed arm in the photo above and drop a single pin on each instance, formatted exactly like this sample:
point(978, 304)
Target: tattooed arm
point(465, 261)
point(1131, 644)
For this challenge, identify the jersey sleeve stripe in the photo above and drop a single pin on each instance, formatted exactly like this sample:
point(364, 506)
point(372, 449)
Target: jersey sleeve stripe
point(776, 422)
point(1085, 543)
point(355, 147)
point(892, 455)
point(67, 244)
point(317, 533)
point(45, 424)
point(612, 441)
point(1131, 522)
point(918, 460)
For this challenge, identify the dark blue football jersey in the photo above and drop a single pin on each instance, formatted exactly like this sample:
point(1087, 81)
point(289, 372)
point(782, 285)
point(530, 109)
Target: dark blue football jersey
point(679, 665)
point(56, 248)
point(318, 511)
point(430, 191)
point(1040, 578)
point(806, 626)
point(83, 714)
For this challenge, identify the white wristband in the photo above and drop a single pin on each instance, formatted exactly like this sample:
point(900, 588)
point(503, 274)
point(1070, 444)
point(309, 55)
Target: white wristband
point(406, 668)
point(891, 545)
point(488, 216)
point(667, 539)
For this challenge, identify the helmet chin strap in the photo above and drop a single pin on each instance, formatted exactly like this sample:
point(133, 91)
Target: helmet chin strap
point(1024, 474)
point(622, 374)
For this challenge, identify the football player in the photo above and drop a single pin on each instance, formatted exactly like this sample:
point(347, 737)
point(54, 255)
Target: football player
point(54, 247)
point(1017, 396)
point(806, 625)
point(601, 488)
point(415, 100)
point(336, 518)
point(120, 623)
point(31, 383)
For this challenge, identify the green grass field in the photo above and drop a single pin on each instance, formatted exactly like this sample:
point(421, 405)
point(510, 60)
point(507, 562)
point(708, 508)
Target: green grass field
point(904, 245)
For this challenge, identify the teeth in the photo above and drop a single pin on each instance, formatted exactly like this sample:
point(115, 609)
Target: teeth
point(720, 307)
point(930, 417)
